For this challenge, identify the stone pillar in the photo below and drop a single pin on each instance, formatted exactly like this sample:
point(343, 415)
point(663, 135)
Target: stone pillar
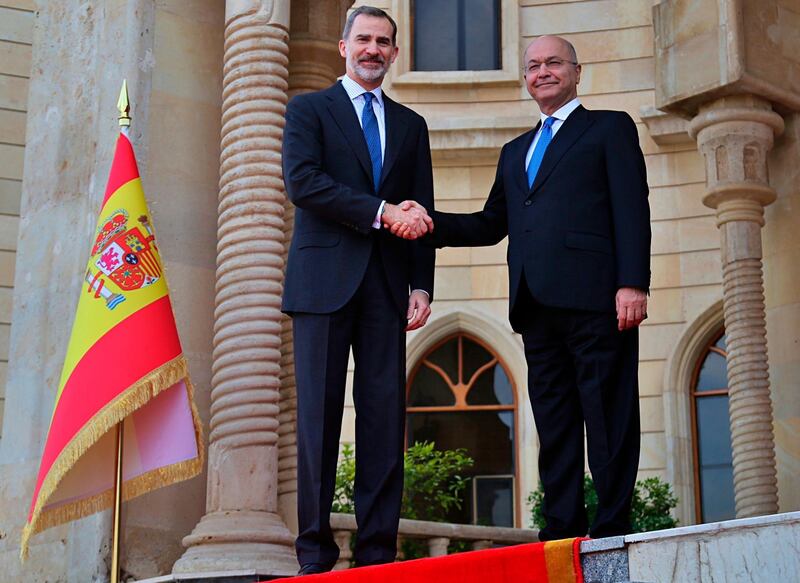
point(80, 53)
point(242, 528)
point(735, 134)
point(314, 64)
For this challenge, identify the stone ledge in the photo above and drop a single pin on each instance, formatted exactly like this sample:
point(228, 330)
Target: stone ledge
point(475, 137)
point(665, 128)
point(714, 527)
point(606, 560)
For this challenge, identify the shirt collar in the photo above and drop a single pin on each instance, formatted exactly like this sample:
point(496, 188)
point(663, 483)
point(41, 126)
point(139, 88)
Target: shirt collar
point(562, 112)
point(355, 90)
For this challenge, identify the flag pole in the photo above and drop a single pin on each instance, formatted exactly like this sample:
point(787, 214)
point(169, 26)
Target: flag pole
point(115, 530)
point(124, 122)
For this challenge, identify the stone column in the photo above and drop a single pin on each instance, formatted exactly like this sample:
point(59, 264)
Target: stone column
point(242, 528)
point(735, 134)
point(314, 64)
point(79, 55)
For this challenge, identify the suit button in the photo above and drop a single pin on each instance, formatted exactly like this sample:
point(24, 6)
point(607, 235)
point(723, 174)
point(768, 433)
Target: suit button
point(528, 202)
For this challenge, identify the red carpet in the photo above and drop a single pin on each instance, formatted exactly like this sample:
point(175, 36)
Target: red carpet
point(550, 562)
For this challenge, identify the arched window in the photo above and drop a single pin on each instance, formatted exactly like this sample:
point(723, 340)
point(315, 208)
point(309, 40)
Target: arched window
point(713, 463)
point(460, 395)
point(456, 35)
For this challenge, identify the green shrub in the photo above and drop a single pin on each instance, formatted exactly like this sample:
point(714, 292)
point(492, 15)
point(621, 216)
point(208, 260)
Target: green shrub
point(432, 486)
point(345, 480)
point(650, 510)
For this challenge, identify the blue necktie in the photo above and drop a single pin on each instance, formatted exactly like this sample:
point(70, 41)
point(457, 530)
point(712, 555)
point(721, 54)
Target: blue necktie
point(538, 152)
point(369, 124)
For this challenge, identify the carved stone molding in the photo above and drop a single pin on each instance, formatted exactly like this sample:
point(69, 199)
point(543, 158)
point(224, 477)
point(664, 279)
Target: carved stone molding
point(665, 128)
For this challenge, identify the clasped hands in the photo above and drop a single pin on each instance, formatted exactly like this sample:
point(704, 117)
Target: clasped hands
point(408, 220)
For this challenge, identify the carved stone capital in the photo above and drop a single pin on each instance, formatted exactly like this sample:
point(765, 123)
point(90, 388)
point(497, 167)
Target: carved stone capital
point(735, 135)
point(270, 12)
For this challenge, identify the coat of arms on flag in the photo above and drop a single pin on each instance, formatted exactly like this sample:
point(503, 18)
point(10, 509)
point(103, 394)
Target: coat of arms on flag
point(124, 362)
point(125, 255)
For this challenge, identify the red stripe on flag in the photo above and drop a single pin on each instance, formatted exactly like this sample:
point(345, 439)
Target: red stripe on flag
point(123, 168)
point(116, 361)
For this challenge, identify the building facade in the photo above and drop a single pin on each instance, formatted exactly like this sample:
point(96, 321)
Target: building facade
point(714, 87)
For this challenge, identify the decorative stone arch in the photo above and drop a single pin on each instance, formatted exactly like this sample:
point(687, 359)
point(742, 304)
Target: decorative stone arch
point(678, 375)
point(508, 347)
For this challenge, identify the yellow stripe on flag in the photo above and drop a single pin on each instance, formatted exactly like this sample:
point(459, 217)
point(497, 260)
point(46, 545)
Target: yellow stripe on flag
point(93, 319)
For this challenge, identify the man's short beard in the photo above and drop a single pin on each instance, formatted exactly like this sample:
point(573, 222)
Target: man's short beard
point(368, 74)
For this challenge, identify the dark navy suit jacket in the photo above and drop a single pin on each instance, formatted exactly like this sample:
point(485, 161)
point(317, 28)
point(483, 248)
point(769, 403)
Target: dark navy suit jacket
point(328, 177)
point(582, 231)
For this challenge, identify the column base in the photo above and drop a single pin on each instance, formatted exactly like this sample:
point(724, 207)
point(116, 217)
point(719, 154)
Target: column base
point(237, 541)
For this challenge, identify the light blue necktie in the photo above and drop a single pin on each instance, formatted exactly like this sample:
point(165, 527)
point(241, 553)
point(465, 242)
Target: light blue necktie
point(539, 150)
point(369, 124)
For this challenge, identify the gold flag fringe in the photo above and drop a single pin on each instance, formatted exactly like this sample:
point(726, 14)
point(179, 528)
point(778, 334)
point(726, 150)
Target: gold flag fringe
point(133, 398)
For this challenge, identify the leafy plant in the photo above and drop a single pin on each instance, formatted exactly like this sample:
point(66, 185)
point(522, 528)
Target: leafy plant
point(433, 486)
point(345, 479)
point(652, 501)
point(650, 510)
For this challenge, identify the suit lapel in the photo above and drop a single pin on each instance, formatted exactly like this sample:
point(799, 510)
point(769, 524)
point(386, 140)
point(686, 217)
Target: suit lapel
point(517, 159)
point(344, 115)
point(573, 127)
point(395, 134)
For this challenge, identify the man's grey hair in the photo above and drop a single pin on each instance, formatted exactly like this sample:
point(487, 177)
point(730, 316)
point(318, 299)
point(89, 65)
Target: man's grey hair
point(573, 55)
point(369, 11)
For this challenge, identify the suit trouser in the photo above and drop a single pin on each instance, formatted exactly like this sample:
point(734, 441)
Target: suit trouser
point(372, 324)
point(583, 372)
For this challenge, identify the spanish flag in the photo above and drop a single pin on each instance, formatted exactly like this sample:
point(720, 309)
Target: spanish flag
point(124, 362)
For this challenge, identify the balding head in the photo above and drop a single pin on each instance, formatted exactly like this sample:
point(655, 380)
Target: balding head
point(552, 72)
point(573, 56)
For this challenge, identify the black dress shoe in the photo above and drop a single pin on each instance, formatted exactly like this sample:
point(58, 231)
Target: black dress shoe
point(313, 569)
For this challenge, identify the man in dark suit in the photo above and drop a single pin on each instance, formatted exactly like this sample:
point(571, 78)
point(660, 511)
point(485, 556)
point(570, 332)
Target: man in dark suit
point(350, 155)
point(571, 195)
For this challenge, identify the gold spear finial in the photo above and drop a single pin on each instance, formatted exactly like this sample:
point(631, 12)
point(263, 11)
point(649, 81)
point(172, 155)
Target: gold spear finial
point(123, 105)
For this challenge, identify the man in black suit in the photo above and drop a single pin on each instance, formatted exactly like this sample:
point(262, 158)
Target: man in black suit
point(350, 156)
point(571, 195)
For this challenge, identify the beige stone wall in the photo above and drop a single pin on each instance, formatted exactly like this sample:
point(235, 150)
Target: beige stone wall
point(782, 296)
point(614, 41)
point(171, 54)
point(16, 35)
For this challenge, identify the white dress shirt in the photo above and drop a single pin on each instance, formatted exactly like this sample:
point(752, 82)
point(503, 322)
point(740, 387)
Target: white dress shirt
point(560, 115)
point(356, 94)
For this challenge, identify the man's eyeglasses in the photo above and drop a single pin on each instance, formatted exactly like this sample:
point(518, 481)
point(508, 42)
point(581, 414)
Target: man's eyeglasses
point(552, 64)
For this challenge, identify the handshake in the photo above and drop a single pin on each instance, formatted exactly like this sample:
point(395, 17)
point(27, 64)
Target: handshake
point(408, 220)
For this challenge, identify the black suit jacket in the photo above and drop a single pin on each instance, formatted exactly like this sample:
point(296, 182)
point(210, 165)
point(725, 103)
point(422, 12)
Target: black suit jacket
point(583, 230)
point(328, 177)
